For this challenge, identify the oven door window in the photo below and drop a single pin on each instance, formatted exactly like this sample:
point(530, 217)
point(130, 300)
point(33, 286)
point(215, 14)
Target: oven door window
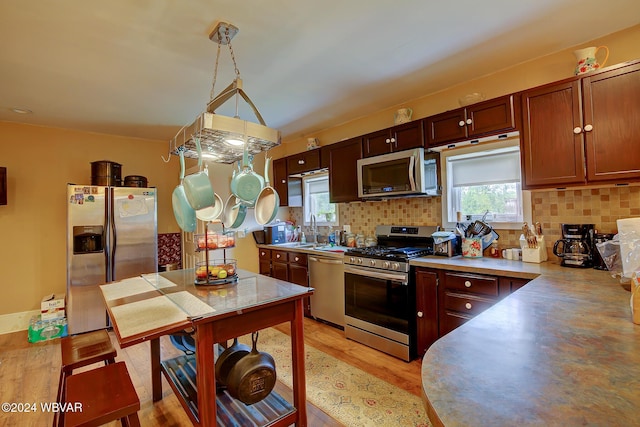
point(381, 302)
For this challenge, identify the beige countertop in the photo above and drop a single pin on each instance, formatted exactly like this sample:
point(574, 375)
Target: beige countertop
point(562, 350)
point(327, 251)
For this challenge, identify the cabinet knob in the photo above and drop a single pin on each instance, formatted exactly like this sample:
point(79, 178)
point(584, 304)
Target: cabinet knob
point(277, 255)
point(461, 123)
point(588, 128)
point(393, 140)
point(388, 140)
point(469, 121)
point(284, 181)
point(296, 259)
point(468, 306)
point(301, 162)
point(467, 283)
point(420, 314)
point(262, 253)
point(577, 130)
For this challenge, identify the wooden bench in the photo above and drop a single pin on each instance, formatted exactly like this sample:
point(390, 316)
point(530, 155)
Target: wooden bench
point(101, 395)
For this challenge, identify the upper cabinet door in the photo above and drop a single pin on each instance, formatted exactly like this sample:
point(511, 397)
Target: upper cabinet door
point(493, 116)
point(474, 121)
point(303, 162)
point(343, 176)
point(396, 138)
point(408, 135)
point(280, 177)
point(551, 140)
point(377, 143)
point(612, 124)
point(446, 127)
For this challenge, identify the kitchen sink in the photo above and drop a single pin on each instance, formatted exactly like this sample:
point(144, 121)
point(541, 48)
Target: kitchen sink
point(297, 245)
point(315, 246)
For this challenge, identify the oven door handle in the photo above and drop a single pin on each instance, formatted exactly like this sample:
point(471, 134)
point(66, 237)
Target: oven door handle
point(396, 277)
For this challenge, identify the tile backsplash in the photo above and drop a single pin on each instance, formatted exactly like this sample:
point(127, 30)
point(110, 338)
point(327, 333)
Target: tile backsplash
point(601, 206)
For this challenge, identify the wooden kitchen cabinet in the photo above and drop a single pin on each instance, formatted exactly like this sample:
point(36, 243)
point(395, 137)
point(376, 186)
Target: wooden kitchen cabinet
point(279, 265)
point(397, 138)
point(427, 281)
point(510, 284)
point(299, 274)
point(482, 119)
point(264, 261)
point(306, 161)
point(583, 130)
point(286, 265)
point(463, 296)
point(280, 180)
point(343, 176)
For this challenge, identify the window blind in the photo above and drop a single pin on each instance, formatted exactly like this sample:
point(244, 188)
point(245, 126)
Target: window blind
point(494, 168)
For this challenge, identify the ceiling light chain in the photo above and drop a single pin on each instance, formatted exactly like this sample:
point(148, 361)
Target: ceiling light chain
point(216, 131)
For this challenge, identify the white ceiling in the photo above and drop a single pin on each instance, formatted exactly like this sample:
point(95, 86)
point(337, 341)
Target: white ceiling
point(144, 68)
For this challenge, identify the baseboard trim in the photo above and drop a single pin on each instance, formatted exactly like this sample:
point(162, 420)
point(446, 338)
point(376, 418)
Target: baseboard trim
point(15, 322)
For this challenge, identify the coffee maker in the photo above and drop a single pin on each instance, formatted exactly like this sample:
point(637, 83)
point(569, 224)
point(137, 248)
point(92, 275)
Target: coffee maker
point(576, 246)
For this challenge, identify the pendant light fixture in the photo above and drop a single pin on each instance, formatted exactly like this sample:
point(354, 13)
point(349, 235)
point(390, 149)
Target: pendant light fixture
point(223, 138)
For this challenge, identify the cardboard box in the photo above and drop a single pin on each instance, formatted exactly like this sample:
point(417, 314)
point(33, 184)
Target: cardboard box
point(42, 330)
point(56, 313)
point(52, 301)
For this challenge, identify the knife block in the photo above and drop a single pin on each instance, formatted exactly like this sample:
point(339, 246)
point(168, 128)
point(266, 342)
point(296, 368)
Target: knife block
point(534, 255)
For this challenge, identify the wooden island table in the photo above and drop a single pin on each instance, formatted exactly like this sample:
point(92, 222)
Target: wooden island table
point(148, 307)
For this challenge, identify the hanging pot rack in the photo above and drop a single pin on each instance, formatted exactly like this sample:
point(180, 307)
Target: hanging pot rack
point(215, 130)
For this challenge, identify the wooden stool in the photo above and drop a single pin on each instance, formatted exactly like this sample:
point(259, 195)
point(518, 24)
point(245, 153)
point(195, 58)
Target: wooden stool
point(100, 396)
point(82, 350)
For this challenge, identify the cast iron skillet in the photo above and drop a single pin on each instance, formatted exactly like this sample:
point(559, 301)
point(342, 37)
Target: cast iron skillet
point(228, 359)
point(253, 377)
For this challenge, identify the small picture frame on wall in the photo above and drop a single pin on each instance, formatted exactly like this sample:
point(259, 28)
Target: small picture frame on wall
point(3, 186)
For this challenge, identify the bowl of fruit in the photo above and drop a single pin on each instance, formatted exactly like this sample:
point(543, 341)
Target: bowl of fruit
point(218, 271)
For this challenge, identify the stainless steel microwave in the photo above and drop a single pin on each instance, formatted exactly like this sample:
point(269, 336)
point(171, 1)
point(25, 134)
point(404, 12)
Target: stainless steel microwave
point(404, 173)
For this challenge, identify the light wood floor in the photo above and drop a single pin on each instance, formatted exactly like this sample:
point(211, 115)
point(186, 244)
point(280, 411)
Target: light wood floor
point(29, 374)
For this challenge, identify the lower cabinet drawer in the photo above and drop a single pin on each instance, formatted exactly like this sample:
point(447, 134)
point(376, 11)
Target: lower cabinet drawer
point(473, 283)
point(467, 304)
point(451, 320)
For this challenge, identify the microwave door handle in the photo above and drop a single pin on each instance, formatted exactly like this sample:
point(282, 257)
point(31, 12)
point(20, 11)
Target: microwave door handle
point(412, 167)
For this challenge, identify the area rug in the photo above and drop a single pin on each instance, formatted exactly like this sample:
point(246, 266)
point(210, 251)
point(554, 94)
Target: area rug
point(347, 394)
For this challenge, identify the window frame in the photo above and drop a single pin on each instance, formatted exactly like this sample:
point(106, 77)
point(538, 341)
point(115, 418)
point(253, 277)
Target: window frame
point(476, 149)
point(306, 214)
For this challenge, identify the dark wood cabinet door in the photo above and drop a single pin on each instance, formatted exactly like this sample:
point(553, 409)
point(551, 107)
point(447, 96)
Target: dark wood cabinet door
point(377, 143)
point(343, 176)
point(612, 124)
point(280, 177)
point(265, 267)
point(510, 284)
point(303, 162)
point(298, 275)
point(426, 308)
point(445, 127)
point(280, 270)
point(408, 135)
point(490, 117)
point(551, 140)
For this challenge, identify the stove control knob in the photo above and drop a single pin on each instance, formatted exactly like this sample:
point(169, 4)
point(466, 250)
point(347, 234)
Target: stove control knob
point(359, 260)
point(386, 264)
point(352, 260)
point(372, 262)
point(395, 266)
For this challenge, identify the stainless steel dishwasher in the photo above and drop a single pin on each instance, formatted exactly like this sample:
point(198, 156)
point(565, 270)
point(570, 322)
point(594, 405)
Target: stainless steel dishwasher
point(326, 276)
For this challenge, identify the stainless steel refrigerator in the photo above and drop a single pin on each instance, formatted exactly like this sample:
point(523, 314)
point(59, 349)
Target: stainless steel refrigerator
point(111, 235)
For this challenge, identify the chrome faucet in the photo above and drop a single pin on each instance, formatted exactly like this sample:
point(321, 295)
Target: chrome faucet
point(314, 229)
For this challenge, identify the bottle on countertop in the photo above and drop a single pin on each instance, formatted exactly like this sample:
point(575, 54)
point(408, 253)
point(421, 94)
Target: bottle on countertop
point(303, 238)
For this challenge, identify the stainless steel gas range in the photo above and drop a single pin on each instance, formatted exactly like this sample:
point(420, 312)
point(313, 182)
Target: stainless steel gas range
point(380, 295)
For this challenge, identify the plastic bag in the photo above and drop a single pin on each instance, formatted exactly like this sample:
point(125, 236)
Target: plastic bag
point(610, 253)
